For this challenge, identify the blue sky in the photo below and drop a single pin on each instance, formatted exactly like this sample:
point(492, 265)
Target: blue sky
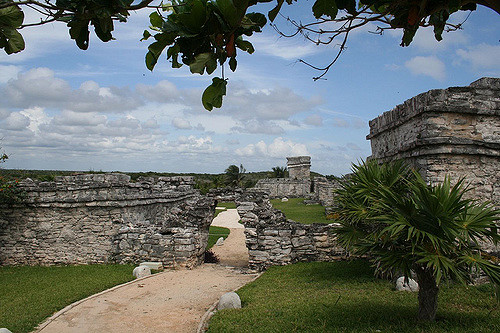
point(101, 109)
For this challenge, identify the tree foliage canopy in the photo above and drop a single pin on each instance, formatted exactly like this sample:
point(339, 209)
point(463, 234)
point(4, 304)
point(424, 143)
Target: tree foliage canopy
point(279, 172)
point(235, 175)
point(405, 225)
point(205, 34)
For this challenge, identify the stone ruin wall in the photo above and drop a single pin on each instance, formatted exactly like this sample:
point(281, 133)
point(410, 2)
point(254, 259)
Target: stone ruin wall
point(225, 194)
point(271, 239)
point(88, 219)
point(453, 131)
point(285, 187)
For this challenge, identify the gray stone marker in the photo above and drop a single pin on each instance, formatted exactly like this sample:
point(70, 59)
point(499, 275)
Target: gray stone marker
point(4, 330)
point(158, 266)
point(141, 271)
point(412, 285)
point(229, 300)
point(220, 241)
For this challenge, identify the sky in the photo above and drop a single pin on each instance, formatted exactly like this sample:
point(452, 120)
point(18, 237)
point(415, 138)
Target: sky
point(62, 108)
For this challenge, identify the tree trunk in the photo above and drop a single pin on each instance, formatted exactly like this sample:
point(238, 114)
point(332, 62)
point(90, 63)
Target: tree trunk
point(427, 294)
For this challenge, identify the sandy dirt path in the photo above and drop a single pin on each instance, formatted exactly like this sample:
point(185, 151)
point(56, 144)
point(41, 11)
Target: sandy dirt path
point(172, 301)
point(234, 252)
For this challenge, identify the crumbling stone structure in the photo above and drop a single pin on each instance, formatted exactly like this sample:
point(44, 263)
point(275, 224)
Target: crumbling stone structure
point(299, 167)
point(323, 190)
point(453, 131)
point(297, 185)
point(271, 239)
point(104, 218)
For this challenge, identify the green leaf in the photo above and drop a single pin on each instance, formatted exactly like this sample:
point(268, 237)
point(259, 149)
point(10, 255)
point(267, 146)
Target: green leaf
point(156, 48)
point(408, 35)
point(470, 6)
point(145, 35)
point(233, 63)
point(438, 20)
point(151, 60)
point(212, 96)
point(155, 19)
point(348, 5)
point(79, 31)
point(229, 12)
point(173, 53)
point(454, 5)
point(244, 45)
point(325, 7)
point(11, 40)
point(257, 18)
point(274, 12)
point(202, 61)
point(11, 16)
point(195, 19)
point(103, 28)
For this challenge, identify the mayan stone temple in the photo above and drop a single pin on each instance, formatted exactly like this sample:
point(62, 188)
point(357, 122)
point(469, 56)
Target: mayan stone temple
point(299, 167)
point(453, 131)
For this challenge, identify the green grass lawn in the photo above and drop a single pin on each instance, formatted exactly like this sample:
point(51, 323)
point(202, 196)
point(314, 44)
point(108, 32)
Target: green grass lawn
point(345, 297)
point(30, 294)
point(295, 209)
point(214, 233)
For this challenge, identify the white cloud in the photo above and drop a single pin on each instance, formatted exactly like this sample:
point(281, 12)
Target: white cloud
point(180, 123)
point(16, 122)
point(279, 148)
point(429, 66)
point(285, 48)
point(314, 120)
point(37, 117)
point(278, 103)
point(8, 72)
point(233, 141)
point(255, 126)
point(481, 56)
point(352, 146)
point(163, 91)
point(39, 87)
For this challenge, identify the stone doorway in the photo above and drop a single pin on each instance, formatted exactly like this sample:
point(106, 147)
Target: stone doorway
point(233, 252)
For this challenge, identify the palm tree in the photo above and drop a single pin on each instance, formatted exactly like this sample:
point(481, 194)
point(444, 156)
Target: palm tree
point(279, 172)
point(234, 175)
point(390, 213)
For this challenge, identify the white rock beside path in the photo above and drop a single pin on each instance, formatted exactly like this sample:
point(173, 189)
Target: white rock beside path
point(412, 285)
point(229, 300)
point(141, 271)
point(220, 241)
point(4, 330)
